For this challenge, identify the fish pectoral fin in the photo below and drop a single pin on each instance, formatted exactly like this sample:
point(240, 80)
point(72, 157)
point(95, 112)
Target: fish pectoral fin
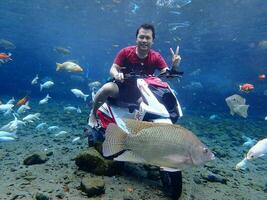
point(178, 159)
point(169, 169)
point(261, 155)
point(129, 156)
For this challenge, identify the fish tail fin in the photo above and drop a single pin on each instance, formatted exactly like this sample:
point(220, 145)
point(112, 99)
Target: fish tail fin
point(27, 105)
point(85, 97)
point(41, 87)
point(114, 140)
point(58, 66)
point(240, 87)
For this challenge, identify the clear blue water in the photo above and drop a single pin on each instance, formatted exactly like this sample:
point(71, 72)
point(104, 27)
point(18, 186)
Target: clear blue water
point(218, 37)
point(220, 45)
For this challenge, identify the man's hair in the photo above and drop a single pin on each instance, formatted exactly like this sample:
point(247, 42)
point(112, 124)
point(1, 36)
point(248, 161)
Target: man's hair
point(146, 26)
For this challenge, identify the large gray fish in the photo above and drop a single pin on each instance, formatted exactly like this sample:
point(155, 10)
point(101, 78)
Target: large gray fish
point(237, 105)
point(163, 145)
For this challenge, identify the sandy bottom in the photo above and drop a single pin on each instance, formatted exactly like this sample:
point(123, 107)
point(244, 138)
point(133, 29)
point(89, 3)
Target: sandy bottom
point(59, 176)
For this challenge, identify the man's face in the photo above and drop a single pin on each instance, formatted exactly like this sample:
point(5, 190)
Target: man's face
point(144, 39)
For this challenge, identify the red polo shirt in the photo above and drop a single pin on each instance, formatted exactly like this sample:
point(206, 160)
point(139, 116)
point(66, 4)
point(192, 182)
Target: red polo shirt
point(128, 58)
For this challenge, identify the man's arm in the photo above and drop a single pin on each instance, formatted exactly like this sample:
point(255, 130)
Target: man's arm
point(115, 72)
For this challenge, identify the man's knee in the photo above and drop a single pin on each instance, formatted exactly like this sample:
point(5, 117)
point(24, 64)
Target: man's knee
point(109, 90)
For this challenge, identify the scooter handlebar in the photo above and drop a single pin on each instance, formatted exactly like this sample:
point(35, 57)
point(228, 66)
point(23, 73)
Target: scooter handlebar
point(167, 74)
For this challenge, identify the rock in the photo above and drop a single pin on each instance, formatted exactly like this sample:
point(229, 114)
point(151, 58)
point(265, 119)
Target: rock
point(60, 196)
point(214, 178)
point(91, 161)
point(41, 196)
point(35, 159)
point(30, 178)
point(49, 153)
point(197, 180)
point(127, 197)
point(93, 186)
point(16, 196)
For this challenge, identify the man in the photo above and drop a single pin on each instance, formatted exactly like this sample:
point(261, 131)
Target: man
point(139, 59)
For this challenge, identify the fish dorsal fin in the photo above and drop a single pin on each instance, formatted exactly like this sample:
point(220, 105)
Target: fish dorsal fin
point(114, 140)
point(135, 126)
point(129, 156)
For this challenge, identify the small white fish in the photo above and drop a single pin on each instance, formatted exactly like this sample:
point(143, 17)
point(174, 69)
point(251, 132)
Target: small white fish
point(76, 139)
point(32, 117)
point(79, 94)
point(265, 118)
point(41, 126)
point(6, 139)
point(10, 127)
point(249, 142)
point(7, 134)
point(11, 101)
point(23, 108)
point(35, 80)
point(72, 109)
point(46, 85)
point(52, 128)
point(213, 117)
point(6, 107)
point(258, 150)
point(94, 85)
point(242, 165)
point(45, 100)
point(13, 125)
point(60, 133)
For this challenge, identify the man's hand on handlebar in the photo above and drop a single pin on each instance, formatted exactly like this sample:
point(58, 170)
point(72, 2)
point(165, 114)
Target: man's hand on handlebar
point(119, 77)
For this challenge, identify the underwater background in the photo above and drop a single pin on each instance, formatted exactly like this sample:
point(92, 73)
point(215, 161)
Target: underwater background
point(220, 40)
point(223, 44)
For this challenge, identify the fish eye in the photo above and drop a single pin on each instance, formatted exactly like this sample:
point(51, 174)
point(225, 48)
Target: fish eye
point(205, 150)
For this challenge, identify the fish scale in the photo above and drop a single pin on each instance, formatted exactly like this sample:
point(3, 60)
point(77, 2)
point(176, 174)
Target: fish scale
point(158, 143)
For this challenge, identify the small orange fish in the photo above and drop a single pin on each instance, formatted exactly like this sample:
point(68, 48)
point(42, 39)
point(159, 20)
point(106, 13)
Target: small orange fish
point(246, 87)
point(262, 76)
point(5, 57)
point(22, 101)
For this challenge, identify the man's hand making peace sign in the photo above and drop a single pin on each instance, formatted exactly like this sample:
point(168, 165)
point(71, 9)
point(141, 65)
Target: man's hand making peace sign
point(176, 58)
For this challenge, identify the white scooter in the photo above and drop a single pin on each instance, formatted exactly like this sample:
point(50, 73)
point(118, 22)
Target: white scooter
point(159, 105)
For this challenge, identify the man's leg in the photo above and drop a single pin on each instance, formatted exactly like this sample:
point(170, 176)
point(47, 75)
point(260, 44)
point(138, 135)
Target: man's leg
point(108, 90)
